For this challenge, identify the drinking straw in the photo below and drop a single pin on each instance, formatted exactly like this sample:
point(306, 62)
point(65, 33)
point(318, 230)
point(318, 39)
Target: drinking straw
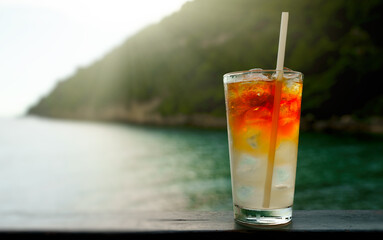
point(276, 107)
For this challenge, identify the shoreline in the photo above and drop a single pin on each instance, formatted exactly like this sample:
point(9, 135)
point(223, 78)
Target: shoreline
point(340, 124)
point(344, 124)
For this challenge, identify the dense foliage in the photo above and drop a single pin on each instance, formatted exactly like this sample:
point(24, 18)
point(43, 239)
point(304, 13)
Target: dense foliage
point(181, 60)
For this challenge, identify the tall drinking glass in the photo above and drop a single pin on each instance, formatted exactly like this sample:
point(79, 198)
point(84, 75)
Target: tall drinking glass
point(263, 163)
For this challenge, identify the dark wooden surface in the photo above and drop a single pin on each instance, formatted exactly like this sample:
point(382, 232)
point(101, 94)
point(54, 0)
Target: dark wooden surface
point(159, 223)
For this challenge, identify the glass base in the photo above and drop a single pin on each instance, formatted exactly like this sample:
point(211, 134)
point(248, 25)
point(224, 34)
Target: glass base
point(264, 217)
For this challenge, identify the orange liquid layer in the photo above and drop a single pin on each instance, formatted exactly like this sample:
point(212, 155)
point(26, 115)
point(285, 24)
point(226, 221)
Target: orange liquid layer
point(250, 106)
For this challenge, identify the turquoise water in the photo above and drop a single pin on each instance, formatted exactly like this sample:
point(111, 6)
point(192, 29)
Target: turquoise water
point(71, 166)
point(339, 172)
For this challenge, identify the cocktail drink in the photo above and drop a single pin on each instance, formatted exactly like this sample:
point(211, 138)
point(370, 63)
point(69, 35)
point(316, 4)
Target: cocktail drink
point(263, 150)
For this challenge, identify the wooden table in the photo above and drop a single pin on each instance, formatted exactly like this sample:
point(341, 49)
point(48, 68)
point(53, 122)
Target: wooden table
point(174, 224)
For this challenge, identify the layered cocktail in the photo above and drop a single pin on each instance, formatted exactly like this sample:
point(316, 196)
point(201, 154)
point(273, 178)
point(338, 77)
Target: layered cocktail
point(263, 143)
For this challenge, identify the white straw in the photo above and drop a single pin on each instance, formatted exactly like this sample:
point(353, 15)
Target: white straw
point(282, 44)
point(276, 108)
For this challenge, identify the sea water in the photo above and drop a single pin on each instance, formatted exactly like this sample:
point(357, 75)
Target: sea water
point(53, 166)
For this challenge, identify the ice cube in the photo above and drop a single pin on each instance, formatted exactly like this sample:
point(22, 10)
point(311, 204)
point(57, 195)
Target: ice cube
point(257, 76)
point(247, 165)
point(244, 193)
point(292, 86)
point(283, 177)
point(282, 174)
point(253, 141)
point(254, 74)
point(291, 75)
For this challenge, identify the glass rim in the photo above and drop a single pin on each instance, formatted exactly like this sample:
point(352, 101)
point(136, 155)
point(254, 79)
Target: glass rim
point(236, 73)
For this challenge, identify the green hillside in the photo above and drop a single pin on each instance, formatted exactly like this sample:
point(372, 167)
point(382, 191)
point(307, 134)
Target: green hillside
point(174, 68)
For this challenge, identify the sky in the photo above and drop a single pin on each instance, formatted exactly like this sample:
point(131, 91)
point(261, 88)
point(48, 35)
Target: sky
point(44, 41)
